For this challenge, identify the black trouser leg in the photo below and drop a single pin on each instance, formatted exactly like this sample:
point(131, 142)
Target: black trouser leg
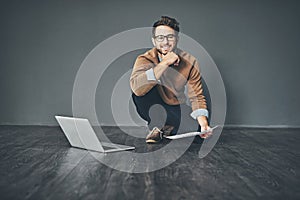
point(178, 116)
point(144, 103)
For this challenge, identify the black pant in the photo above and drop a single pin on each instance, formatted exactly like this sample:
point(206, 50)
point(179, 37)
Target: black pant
point(176, 115)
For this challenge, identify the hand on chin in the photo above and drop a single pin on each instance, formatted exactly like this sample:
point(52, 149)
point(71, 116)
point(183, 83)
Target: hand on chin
point(164, 52)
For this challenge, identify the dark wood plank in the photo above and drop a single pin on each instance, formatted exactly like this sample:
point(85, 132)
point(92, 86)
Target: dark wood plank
point(38, 163)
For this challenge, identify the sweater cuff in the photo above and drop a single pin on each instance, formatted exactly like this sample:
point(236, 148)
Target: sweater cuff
point(199, 112)
point(150, 75)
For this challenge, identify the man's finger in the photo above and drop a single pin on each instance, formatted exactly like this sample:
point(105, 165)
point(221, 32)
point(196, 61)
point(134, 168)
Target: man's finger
point(177, 62)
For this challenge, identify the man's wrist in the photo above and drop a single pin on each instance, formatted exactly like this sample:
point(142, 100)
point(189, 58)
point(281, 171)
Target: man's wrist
point(164, 64)
point(202, 120)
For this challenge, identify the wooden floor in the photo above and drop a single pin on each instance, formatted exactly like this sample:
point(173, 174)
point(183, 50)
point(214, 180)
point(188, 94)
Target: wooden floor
point(38, 163)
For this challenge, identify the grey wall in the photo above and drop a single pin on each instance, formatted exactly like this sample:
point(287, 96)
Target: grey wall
point(255, 45)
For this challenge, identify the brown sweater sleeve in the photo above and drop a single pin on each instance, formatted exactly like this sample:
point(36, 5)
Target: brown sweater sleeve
point(195, 90)
point(139, 83)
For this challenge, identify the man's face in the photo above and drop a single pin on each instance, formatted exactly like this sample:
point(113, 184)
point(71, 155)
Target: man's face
point(165, 39)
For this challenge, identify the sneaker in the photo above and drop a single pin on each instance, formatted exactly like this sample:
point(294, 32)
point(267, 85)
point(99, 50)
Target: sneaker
point(154, 136)
point(167, 130)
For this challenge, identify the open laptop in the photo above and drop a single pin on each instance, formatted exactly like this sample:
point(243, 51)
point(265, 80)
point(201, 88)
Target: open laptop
point(80, 134)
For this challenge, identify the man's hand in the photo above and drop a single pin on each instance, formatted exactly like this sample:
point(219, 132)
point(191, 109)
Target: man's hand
point(202, 120)
point(170, 58)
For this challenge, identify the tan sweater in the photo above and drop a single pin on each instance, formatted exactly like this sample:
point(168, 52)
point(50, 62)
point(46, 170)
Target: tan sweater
point(172, 83)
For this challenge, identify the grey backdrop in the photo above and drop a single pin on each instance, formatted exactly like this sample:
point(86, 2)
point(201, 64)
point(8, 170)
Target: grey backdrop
point(255, 45)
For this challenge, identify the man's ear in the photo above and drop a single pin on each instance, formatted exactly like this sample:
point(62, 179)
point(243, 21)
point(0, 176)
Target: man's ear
point(153, 41)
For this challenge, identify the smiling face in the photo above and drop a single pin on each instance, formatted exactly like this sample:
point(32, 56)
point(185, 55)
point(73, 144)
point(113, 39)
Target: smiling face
point(165, 39)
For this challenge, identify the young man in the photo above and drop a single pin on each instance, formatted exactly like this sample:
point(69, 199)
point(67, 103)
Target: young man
point(160, 75)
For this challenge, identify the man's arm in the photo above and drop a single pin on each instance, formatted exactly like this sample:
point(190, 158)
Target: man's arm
point(145, 75)
point(195, 93)
point(140, 80)
point(167, 60)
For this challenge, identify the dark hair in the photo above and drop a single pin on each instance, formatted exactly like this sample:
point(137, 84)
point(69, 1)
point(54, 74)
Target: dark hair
point(166, 21)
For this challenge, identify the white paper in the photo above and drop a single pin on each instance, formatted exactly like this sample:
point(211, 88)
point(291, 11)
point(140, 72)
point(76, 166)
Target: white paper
point(189, 134)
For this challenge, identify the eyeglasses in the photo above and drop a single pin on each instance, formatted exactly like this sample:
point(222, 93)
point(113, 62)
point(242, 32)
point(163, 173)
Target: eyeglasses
point(160, 38)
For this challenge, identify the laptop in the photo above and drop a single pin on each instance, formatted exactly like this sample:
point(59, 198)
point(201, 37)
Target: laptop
point(81, 134)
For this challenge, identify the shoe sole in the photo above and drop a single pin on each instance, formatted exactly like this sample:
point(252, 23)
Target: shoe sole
point(152, 141)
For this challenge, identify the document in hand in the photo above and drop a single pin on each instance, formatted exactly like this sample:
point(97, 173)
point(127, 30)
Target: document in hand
point(189, 134)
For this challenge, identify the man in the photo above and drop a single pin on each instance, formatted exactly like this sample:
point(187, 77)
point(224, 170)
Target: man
point(160, 75)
